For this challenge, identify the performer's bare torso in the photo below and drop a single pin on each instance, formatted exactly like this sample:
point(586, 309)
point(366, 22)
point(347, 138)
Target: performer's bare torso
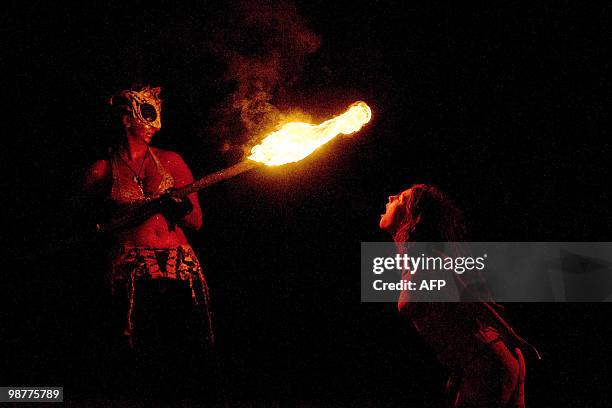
point(154, 232)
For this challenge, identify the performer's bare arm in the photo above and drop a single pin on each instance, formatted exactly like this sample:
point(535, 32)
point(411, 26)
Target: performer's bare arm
point(182, 176)
point(96, 177)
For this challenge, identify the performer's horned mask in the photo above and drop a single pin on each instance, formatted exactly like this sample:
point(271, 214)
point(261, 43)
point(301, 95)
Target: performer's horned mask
point(145, 105)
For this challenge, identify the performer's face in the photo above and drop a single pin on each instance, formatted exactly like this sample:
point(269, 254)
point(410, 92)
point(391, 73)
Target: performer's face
point(394, 210)
point(139, 130)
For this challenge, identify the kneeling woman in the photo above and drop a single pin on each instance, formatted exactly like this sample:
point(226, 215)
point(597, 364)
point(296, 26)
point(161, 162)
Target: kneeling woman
point(471, 340)
point(159, 291)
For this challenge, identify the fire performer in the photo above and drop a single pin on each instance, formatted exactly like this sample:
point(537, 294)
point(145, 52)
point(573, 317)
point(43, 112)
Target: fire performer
point(159, 293)
point(152, 258)
point(471, 340)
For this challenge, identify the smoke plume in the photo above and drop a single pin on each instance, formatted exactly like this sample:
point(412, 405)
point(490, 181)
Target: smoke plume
point(262, 46)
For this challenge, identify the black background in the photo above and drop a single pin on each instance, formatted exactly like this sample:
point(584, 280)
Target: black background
point(501, 106)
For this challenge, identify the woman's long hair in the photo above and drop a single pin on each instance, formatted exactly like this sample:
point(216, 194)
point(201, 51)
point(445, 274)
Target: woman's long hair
point(429, 216)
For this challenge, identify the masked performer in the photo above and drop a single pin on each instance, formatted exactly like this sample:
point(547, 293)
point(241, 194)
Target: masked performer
point(478, 347)
point(159, 292)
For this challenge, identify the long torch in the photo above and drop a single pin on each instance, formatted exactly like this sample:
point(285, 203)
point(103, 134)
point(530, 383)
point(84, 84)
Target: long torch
point(291, 143)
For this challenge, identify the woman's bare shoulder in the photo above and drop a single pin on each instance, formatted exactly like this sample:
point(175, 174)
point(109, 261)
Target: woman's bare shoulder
point(97, 172)
point(176, 165)
point(167, 156)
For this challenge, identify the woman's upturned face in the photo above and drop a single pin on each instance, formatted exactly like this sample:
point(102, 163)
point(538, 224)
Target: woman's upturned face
point(394, 210)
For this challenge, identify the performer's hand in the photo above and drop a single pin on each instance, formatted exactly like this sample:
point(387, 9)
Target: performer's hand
point(175, 208)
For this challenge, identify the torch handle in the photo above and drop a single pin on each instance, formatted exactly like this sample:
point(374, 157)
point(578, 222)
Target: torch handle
point(130, 216)
point(215, 178)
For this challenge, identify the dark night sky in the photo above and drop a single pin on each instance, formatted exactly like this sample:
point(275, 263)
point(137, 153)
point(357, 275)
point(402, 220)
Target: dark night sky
point(502, 107)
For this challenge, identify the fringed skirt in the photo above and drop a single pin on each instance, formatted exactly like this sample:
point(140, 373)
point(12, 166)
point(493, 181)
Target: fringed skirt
point(153, 276)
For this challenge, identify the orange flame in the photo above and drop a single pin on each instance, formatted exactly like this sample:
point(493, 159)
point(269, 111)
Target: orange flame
point(296, 140)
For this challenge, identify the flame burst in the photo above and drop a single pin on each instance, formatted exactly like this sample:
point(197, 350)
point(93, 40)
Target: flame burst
point(296, 140)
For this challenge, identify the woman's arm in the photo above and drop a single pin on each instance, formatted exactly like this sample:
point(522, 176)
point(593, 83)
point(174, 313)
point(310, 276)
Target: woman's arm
point(182, 176)
point(96, 177)
point(88, 204)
